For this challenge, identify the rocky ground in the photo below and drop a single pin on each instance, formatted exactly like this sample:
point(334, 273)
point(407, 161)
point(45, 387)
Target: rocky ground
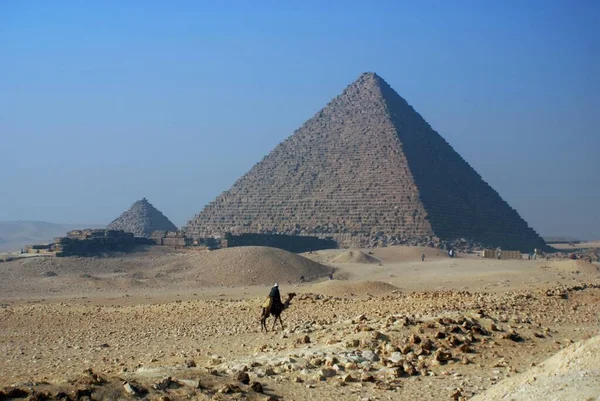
point(352, 339)
point(425, 345)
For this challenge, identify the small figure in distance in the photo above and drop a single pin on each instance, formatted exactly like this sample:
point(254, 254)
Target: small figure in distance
point(273, 301)
point(274, 307)
point(423, 257)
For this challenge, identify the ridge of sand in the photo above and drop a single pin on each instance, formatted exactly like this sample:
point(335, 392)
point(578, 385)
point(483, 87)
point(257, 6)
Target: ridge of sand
point(390, 254)
point(574, 266)
point(355, 257)
point(570, 374)
point(336, 288)
point(400, 254)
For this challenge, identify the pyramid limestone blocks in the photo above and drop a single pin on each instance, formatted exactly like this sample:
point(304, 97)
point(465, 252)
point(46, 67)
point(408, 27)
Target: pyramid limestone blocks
point(142, 219)
point(367, 164)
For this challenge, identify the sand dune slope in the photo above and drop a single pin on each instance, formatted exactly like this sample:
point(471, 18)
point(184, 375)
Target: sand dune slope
point(352, 288)
point(251, 265)
point(355, 257)
point(571, 374)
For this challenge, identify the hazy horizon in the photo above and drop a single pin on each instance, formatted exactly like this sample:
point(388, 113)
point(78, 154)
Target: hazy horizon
point(104, 104)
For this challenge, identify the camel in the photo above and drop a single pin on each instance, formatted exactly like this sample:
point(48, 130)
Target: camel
point(276, 312)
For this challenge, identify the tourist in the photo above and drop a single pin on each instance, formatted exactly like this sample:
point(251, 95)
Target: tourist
point(274, 296)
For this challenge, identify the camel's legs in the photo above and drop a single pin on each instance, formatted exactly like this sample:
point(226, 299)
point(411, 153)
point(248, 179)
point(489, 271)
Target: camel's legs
point(280, 321)
point(274, 321)
point(263, 321)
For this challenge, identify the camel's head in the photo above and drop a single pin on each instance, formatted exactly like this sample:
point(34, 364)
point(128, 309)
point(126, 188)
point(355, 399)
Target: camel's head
point(291, 296)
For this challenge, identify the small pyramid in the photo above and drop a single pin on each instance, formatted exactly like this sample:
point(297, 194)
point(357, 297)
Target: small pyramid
point(366, 166)
point(142, 219)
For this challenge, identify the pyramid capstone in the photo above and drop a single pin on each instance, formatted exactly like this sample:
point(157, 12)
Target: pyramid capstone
point(365, 166)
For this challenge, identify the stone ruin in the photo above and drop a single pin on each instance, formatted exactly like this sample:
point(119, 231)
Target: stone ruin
point(142, 219)
point(178, 240)
point(174, 239)
point(366, 170)
point(90, 242)
point(296, 243)
point(93, 242)
point(291, 243)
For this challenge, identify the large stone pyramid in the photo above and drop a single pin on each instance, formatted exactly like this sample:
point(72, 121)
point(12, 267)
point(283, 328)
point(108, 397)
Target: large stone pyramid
point(366, 165)
point(142, 219)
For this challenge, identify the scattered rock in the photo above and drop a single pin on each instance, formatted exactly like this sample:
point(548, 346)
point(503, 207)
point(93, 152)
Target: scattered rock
point(163, 384)
point(456, 394)
point(512, 335)
point(327, 372)
point(230, 388)
point(347, 378)
point(134, 389)
point(257, 387)
point(243, 377)
point(303, 340)
point(370, 356)
point(366, 377)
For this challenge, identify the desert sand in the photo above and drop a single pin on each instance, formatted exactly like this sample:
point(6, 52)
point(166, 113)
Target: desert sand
point(399, 328)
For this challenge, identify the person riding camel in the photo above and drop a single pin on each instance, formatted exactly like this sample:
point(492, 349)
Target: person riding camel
point(274, 299)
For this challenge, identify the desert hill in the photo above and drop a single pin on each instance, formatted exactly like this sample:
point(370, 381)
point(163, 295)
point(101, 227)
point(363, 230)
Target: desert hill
point(158, 268)
point(250, 265)
point(355, 257)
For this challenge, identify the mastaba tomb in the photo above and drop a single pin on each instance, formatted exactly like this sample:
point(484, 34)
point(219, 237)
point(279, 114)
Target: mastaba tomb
point(367, 165)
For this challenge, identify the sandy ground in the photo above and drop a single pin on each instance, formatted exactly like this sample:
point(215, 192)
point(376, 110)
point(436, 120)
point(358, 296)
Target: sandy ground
point(144, 317)
point(582, 245)
point(572, 373)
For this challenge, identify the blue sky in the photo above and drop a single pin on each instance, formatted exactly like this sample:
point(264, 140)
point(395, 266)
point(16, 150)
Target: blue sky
point(103, 103)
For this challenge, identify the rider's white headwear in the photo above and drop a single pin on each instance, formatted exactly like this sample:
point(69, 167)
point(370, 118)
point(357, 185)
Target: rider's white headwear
point(276, 285)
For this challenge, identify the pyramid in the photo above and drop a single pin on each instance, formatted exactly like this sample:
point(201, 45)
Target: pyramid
point(142, 219)
point(364, 166)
